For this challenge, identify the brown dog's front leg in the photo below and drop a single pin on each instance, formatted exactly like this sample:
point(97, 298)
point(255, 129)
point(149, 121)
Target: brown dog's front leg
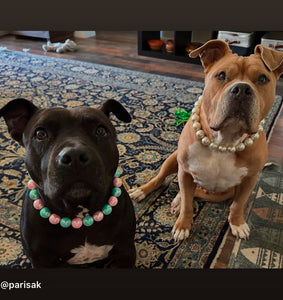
point(237, 222)
point(181, 229)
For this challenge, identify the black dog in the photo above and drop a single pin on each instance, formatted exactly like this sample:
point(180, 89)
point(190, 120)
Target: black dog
point(71, 155)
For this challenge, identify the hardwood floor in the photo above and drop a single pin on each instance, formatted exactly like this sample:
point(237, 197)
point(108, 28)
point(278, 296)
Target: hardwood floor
point(120, 49)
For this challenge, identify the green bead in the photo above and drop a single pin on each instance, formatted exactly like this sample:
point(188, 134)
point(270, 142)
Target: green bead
point(45, 212)
point(34, 194)
point(88, 220)
point(107, 209)
point(117, 173)
point(65, 222)
point(116, 192)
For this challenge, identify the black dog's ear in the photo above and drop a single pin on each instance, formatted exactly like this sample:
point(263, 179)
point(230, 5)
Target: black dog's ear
point(117, 109)
point(17, 113)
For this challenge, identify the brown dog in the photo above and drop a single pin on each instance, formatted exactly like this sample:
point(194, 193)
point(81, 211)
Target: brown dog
point(222, 148)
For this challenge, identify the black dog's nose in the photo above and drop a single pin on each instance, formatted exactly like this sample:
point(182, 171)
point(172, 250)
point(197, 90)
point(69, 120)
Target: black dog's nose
point(73, 157)
point(241, 90)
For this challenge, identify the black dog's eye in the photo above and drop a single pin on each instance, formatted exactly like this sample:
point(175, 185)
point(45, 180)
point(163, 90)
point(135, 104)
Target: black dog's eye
point(221, 76)
point(262, 79)
point(101, 131)
point(40, 134)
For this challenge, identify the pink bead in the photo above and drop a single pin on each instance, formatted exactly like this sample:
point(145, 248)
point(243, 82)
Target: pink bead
point(38, 204)
point(31, 184)
point(117, 182)
point(98, 216)
point(54, 219)
point(112, 201)
point(77, 223)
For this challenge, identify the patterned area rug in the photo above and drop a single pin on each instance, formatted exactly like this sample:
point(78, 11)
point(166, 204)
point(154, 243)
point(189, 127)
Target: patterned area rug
point(143, 145)
point(264, 215)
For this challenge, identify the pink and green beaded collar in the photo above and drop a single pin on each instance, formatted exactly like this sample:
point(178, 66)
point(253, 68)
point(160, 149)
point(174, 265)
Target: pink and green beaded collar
point(77, 222)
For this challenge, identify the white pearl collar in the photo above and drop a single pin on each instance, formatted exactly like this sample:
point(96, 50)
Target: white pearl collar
point(246, 141)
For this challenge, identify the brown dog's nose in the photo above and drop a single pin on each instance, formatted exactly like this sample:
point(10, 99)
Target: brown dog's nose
point(73, 157)
point(241, 90)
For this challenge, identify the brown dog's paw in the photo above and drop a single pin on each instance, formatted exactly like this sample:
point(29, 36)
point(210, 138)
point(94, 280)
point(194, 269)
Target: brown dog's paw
point(136, 194)
point(176, 205)
point(181, 229)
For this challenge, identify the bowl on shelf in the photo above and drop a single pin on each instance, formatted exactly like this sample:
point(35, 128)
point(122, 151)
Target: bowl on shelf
point(192, 46)
point(155, 44)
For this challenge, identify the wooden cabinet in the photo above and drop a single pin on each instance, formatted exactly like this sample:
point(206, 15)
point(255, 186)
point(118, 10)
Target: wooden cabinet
point(181, 40)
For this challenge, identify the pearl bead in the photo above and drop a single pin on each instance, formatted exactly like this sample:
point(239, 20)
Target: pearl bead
point(200, 134)
point(195, 117)
point(255, 136)
point(260, 128)
point(195, 110)
point(205, 141)
point(213, 146)
point(248, 142)
point(231, 149)
point(240, 147)
point(196, 126)
point(222, 148)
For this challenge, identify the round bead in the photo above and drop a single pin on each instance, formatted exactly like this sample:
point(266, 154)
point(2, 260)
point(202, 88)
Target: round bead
point(260, 128)
point(117, 173)
point(255, 136)
point(231, 149)
point(213, 146)
point(65, 222)
point(195, 117)
point(196, 126)
point(31, 184)
point(45, 212)
point(200, 134)
point(113, 201)
point(38, 204)
point(195, 110)
point(88, 220)
point(98, 216)
point(77, 223)
point(200, 98)
point(222, 148)
point(107, 209)
point(117, 182)
point(116, 192)
point(34, 194)
point(54, 219)
point(248, 142)
point(240, 147)
point(205, 141)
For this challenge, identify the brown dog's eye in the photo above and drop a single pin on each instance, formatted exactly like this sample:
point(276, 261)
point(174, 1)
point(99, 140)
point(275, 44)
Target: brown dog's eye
point(101, 131)
point(221, 76)
point(262, 79)
point(40, 134)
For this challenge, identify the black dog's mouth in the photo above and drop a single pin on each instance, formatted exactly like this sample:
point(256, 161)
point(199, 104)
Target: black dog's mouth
point(78, 191)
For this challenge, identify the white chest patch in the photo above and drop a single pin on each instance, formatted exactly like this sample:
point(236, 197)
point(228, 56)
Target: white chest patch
point(212, 170)
point(89, 253)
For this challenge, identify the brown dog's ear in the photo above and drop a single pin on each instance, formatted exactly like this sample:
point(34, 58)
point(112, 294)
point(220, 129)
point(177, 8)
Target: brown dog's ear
point(211, 52)
point(17, 113)
point(272, 59)
point(117, 109)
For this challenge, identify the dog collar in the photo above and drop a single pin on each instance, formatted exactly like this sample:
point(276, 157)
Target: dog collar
point(247, 141)
point(77, 222)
